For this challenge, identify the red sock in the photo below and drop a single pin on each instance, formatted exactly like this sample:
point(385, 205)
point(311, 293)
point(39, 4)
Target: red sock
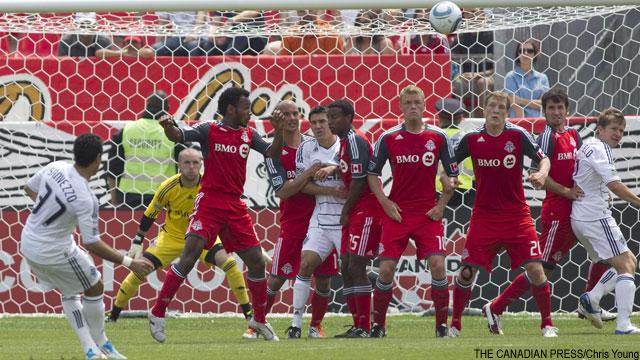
point(381, 299)
point(271, 298)
point(363, 311)
point(542, 296)
point(170, 286)
point(461, 297)
point(440, 297)
point(258, 290)
point(514, 291)
point(595, 273)
point(351, 303)
point(319, 305)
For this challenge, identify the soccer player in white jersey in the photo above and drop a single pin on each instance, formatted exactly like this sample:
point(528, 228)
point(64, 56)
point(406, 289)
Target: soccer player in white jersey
point(63, 200)
point(594, 226)
point(325, 231)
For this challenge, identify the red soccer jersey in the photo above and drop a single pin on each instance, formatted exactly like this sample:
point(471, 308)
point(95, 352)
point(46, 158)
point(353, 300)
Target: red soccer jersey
point(497, 166)
point(355, 153)
point(225, 152)
point(561, 149)
point(414, 165)
point(296, 210)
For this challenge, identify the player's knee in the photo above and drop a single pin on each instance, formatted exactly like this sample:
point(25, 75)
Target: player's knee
point(323, 283)
point(536, 273)
point(387, 269)
point(210, 257)
point(436, 266)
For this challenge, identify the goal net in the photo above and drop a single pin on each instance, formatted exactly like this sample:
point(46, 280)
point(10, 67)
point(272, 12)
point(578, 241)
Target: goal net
point(62, 75)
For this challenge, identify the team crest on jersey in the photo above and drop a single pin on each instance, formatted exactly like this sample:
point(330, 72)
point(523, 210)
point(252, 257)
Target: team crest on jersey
point(509, 147)
point(356, 168)
point(287, 268)
point(430, 145)
point(196, 225)
point(572, 141)
point(244, 136)
point(557, 256)
point(277, 181)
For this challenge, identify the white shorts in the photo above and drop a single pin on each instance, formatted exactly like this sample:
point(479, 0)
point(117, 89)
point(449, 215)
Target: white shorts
point(322, 241)
point(71, 276)
point(602, 238)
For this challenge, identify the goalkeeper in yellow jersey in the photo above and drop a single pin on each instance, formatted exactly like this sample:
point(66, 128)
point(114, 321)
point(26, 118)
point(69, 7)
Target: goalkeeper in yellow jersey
point(176, 196)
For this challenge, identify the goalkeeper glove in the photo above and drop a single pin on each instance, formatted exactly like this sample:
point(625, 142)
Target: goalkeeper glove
point(135, 251)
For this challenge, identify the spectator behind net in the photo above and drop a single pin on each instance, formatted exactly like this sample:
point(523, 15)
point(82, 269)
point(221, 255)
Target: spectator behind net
point(84, 43)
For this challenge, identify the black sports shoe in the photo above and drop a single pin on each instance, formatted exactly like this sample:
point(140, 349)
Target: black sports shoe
point(442, 331)
point(358, 333)
point(294, 332)
point(377, 331)
point(347, 333)
point(114, 314)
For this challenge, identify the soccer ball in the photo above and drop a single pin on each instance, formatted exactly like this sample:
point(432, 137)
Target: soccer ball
point(445, 17)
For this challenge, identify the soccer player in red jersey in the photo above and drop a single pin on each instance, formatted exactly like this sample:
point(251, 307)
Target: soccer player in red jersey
point(501, 218)
point(361, 217)
point(218, 209)
point(560, 144)
point(412, 209)
point(296, 209)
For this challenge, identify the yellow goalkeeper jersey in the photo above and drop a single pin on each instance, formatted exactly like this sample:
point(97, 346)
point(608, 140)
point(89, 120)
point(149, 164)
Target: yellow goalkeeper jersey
point(177, 201)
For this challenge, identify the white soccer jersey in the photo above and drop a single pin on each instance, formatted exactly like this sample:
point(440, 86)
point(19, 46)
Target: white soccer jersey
point(326, 213)
point(64, 200)
point(594, 170)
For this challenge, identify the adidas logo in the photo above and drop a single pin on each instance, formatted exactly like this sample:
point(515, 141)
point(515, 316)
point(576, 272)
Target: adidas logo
point(480, 139)
point(284, 152)
point(399, 137)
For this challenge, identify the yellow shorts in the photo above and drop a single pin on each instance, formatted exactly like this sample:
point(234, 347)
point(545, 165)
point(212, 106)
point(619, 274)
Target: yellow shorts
point(168, 248)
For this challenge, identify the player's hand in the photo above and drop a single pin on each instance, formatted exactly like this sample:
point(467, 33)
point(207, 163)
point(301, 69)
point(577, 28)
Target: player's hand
point(324, 173)
point(436, 213)
point(575, 193)
point(449, 184)
point(141, 266)
point(392, 210)
point(135, 251)
point(537, 179)
point(310, 173)
point(340, 192)
point(167, 121)
point(277, 120)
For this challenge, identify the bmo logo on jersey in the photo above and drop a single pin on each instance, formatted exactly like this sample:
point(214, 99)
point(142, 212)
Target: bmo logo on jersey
point(566, 155)
point(427, 159)
point(508, 162)
point(243, 149)
point(344, 167)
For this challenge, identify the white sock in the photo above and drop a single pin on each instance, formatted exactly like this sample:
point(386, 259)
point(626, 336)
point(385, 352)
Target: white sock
point(625, 292)
point(73, 310)
point(301, 290)
point(94, 314)
point(606, 285)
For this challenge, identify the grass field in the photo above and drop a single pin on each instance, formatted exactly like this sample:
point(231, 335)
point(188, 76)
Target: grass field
point(409, 337)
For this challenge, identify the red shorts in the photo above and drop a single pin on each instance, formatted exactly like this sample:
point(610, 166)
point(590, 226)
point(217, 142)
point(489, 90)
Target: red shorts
point(234, 226)
point(427, 234)
point(286, 259)
point(362, 235)
point(486, 238)
point(556, 240)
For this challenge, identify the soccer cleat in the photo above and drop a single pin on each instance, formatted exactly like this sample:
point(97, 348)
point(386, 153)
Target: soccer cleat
point(91, 355)
point(250, 334)
point(377, 331)
point(111, 352)
point(316, 332)
point(156, 326)
point(293, 332)
point(358, 333)
point(607, 316)
point(494, 322)
point(590, 311)
point(263, 329)
point(549, 331)
point(631, 329)
point(441, 331)
point(114, 314)
point(454, 332)
point(346, 333)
